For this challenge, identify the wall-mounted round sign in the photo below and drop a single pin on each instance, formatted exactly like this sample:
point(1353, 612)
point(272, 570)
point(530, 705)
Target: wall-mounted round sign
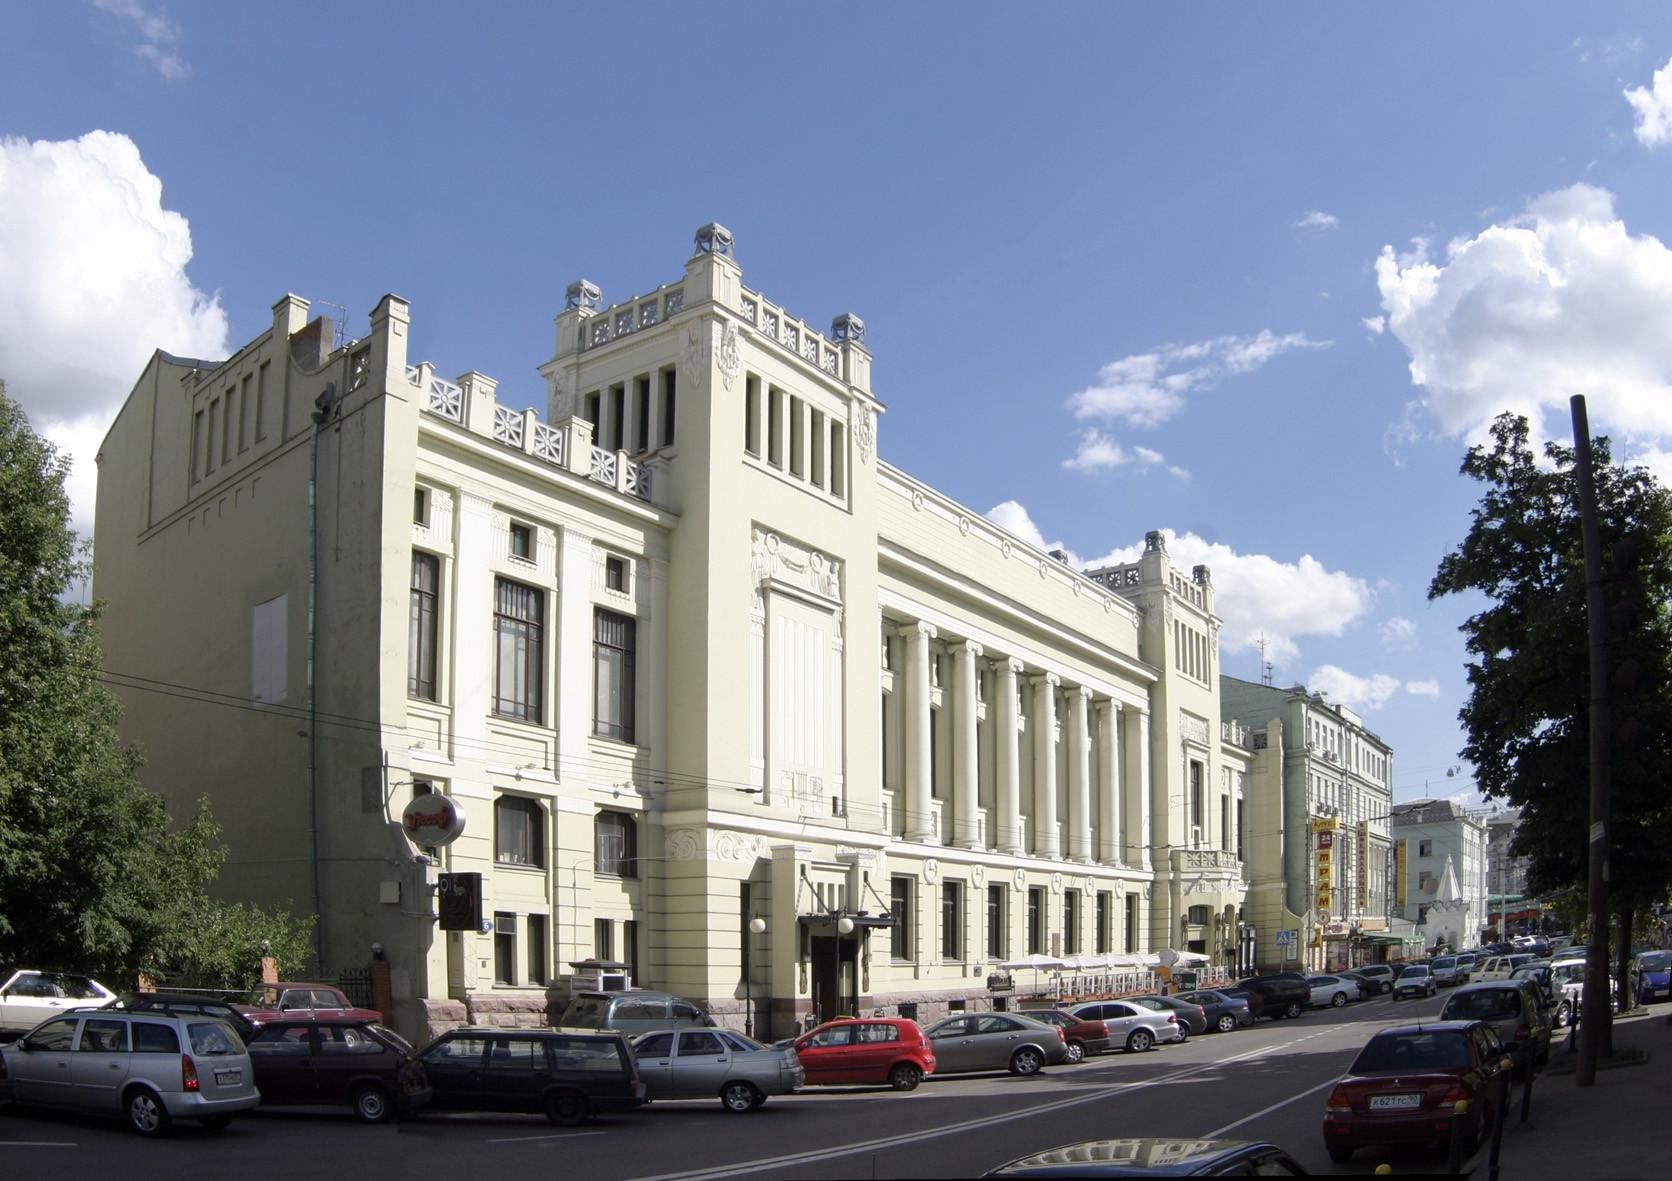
point(432, 819)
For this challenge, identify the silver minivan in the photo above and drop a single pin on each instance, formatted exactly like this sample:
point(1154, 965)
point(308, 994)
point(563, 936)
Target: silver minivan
point(633, 1012)
point(1516, 1011)
point(149, 1068)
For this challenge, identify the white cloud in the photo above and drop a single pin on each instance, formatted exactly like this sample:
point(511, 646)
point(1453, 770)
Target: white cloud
point(1375, 325)
point(1558, 301)
point(160, 44)
point(1653, 104)
point(1013, 517)
point(1317, 219)
point(1147, 389)
point(1398, 634)
point(92, 279)
point(1356, 692)
point(1100, 452)
point(1423, 688)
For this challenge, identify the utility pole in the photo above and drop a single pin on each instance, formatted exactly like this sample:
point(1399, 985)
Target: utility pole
point(1595, 1033)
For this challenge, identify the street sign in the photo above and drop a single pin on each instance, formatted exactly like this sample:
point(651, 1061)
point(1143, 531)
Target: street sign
point(1285, 938)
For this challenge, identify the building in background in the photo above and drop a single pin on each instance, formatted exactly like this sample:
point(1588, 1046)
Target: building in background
point(1440, 872)
point(718, 695)
point(1511, 909)
point(1329, 805)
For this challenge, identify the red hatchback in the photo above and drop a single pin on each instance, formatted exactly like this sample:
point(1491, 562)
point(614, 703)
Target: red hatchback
point(311, 1062)
point(888, 1050)
point(1405, 1083)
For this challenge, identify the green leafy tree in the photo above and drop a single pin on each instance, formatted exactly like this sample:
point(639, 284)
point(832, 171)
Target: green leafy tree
point(91, 875)
point(1527, 718)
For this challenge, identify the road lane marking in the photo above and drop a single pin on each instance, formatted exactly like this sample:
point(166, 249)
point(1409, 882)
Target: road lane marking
point(37, 1144)
point(917, 1136)
point(1217, 1132)
point(547, 1136)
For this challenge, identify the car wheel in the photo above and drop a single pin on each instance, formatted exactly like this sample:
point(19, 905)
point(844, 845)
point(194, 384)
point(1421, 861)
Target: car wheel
point(738, 1097)
point(1027, 1060)
point(905, 1076)
point(1564, 1014)
point(1339, 1153)
point(145, 1111)
point(1076, 1052)
point(566, 1109)
point(1139, 1041)
point(1226, 1023)
point(1292, 1010)
point(1336, 1001)
point(371, 1103)
point(216, 1123)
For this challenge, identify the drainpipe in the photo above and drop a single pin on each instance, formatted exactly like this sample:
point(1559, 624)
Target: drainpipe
point(325, 409)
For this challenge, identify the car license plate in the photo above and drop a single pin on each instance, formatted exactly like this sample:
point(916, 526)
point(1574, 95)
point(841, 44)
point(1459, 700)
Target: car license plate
point(1395, 1102)
point(229, 1078)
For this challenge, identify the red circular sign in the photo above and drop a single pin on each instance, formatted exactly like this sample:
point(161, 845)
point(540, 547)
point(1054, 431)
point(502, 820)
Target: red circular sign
point(432, 819)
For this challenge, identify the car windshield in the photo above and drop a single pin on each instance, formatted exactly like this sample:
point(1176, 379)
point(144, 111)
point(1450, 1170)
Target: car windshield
point(1487, 1004)
point(393, 1038)
point(1656, 961)
point(1416, 970)
point(1445, 961)
point(1573, 973)
point(1424, 1050)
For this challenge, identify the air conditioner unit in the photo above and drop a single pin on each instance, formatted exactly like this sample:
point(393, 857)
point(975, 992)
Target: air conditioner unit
point(1329, 755)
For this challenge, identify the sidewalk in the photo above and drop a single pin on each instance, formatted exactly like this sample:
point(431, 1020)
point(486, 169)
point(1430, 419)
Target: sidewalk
point(1617, 1130)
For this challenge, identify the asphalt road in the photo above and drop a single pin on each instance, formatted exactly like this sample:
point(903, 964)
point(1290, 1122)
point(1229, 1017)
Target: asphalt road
point(1266, 1083)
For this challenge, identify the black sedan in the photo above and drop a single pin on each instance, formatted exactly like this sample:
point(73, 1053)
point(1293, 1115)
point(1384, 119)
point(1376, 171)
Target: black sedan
point(1223, 1011)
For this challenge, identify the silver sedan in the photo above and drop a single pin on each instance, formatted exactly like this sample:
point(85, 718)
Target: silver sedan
point(704, 1063)
point(995, 1041)
point(1334, 991)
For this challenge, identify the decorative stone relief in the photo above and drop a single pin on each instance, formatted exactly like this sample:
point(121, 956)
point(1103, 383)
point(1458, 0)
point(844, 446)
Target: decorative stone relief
point(917, 500)
point(775, 558)
point(864, 433)
point(1020, 877)
point(1056, 883)
point(978, 875)
point(693, 360)
point(684, 844)
point(736, 846)
point(963, 525)
point(730, 357)
point(1004, 547)
point(931, 871)
point(1090, 885)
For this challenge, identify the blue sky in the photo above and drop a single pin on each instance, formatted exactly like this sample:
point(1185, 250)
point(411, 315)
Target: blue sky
point(1252, 274)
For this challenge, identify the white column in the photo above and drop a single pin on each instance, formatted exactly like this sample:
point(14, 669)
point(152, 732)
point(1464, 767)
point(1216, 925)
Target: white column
point(1079, 775)
point(965, 794)
point(1135, 787)
point(1108, 785)
point(1043, 725)
point(1007, 773)
point(919, 820)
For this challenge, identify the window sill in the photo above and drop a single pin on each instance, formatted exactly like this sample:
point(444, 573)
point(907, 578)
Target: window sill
point(517, 719)
point(519, 867)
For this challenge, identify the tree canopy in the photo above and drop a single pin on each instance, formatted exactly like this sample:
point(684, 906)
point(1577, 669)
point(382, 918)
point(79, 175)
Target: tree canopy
point(92, 875)
point(1527, 718)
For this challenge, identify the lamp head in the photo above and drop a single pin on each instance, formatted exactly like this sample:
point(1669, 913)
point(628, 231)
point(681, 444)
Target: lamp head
point(844, 925)
point(757, 924)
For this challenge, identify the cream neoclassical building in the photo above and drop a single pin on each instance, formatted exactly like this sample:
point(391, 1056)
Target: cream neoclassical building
point(686, 652)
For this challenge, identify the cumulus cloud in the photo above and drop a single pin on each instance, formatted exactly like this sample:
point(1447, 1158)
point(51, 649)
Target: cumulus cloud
point(1375, 325)
point(1653, 104)
point(92, 279)
point(1398, 634)
point(1100, 452)
point(1560, 300)
point(159, 36)
point(1148, 389)
point(1423, 688)
point(1360, 693)
point(1317, 219)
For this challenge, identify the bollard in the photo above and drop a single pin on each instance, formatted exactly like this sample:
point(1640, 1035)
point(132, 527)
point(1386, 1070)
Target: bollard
point(1527, 1097)
point(1460, 1117)
point(1504, 1067)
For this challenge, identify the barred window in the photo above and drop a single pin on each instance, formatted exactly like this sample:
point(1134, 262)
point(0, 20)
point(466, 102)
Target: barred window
point(519, 650)
point(616, 845)
point(421, 626)
point(614, 642)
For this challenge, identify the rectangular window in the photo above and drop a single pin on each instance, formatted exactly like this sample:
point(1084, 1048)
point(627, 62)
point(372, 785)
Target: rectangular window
point(1198, 811)
point(816, 437)
point(1071, 922)
point(996, 942)
point(774, 426)
point(522, 542)
point(590, 406)
point(669, 401)
point(614, 642)
point(603, 939)
point(952, 920)
point(615, 845)
point(1240, 856)
point(209, 438)
point(1036, 920)
point(752, 416)
point(1425, 848)
point(641, 428)
point(226, 428)
point(630, 950)
point(244, 414)
point(421, 507)
point(422, 625)
point(615, 574)
point(197, 445)
point(617, 417)
point(1104, 898)
point(504, 947)
point(537, 971)
point(1131, 923)
point(899, 908)
point(518, 831)
point(269, 627)
point(798, 439)
point(519, 650)
point(838, 460)
point(261, 402)
point(1224, 822)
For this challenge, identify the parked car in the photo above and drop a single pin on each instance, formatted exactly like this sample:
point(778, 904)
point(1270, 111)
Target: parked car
point(1405, 1083)
point(1192, 1017)
point(1497, 967)
point(1224, 1011)
point(1281, 994)
point(1655, 976)
point(890, 1050)
point(715, 1063)
point(995, 1041)
point(1446, 973)
point(338, 1062)
point(274, 1002)
point(1332, 991)
point(1084, 1037)
point(567, 1075)
point(1155, 1158)
point(633, 1012)
point(1416, 980)
point(1567, 982)
point(28, 997)
point(1132, 1026)
point(1538, 971)
point(1515, 1009)
point(185, 1004)
point(1381, 974)
point(1466, 961)
point(149, 1068)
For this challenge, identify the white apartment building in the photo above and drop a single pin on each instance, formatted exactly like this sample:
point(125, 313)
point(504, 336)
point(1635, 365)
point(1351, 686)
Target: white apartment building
point(1440, 871)
point(720, 695)
point(1335, 777)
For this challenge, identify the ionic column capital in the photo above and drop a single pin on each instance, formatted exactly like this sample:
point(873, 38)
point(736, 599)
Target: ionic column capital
point(1041, 680)
point(918, 628)
point(970, 649)
point(1007, 664)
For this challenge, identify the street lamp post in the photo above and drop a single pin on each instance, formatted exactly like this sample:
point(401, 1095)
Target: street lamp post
point(756, 926)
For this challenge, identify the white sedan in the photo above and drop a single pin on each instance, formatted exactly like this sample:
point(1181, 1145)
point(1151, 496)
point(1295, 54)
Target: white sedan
point(28, 998)
point(1333, 991)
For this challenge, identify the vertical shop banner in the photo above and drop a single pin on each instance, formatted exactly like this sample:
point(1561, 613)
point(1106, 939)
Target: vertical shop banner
point(1362, 858)
point(1324, 855)
point(1399, 855)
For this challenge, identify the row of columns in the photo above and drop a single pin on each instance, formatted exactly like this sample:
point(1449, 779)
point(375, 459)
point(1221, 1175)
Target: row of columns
point(1122, 816)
